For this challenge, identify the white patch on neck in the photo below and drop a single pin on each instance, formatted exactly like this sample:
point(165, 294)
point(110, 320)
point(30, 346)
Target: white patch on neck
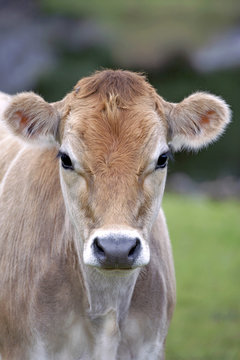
point(39, 352)
point(108, 339)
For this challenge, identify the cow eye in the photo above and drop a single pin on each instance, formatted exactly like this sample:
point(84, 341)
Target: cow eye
point(66, 161)
point(163, 160)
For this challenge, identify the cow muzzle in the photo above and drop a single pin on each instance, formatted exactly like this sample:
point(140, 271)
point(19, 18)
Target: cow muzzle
point(116, 250)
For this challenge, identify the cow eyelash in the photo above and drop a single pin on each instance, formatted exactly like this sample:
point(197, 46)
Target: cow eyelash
point(65, 160)
point(163, 160)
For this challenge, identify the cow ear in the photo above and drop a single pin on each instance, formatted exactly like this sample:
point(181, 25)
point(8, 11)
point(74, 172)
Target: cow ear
point(32, 118)
point(196, 121)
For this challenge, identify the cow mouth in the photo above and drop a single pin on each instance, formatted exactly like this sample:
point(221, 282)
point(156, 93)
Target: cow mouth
point(116, 271)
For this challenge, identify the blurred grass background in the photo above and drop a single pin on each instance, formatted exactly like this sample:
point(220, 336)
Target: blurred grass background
point(205, 237)
point(182, 46)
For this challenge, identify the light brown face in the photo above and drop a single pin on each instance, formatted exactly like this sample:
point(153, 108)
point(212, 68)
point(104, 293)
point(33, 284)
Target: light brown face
point(113, 132)
point(113, 169)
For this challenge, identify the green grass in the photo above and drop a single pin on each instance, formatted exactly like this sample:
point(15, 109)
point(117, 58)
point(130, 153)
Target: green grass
point(206, 244)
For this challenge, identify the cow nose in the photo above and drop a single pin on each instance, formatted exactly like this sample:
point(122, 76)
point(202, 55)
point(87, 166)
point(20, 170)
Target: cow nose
point(116, 252)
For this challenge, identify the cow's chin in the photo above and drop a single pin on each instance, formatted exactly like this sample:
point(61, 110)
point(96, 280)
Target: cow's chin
point(117, 273)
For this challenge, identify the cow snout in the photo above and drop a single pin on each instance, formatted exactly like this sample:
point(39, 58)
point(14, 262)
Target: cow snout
point(116, 252)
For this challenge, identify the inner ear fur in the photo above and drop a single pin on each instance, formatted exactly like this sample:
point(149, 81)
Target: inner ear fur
point(31, 117)
point(196, 121)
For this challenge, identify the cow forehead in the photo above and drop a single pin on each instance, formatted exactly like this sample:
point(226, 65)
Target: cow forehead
point(106, 133)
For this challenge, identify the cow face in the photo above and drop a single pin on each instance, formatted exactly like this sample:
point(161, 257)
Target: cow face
point(114, 136)
point(113, 168)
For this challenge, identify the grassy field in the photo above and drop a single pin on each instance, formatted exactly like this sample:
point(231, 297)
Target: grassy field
point(206, 244)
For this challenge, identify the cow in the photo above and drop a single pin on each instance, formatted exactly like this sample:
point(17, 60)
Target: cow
point(85, 258)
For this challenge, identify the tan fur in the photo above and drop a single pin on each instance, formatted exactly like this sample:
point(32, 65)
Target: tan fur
point(114, 126)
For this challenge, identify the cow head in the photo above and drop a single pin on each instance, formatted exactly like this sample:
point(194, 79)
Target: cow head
point(114, 136)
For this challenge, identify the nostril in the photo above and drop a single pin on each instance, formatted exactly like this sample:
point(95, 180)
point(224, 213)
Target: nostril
point(98, 248)
point(134, 250)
